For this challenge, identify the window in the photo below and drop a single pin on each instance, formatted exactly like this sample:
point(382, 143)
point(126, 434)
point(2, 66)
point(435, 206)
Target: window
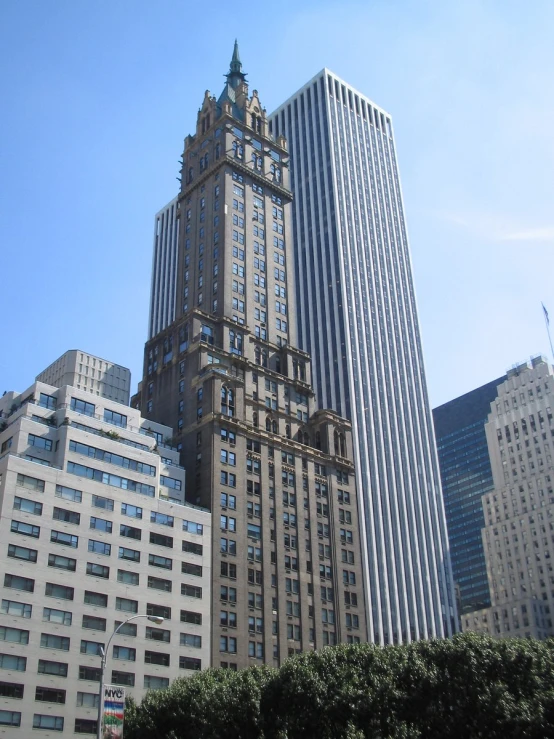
point(126, 604)
point(56, 616)
point(110, 479)
point(85, 726)
point(154, 634)
point(69, 493)
point(97, 570)
point(28, 506)
point(126, 629)
point(96, 599)
point(54, 641)
point(228, 594)
point(157, 561)
point(25, 529)
point(62, 514)
point(131, 554)
point(14, 608)
point(193, 591)
point(31, 483)
point(193, 528)
point(53, 590)
point(16, 636)
point(22, 553)
point(228, 644)
point(156, 658)
point(192, 548)
point(49, 667)
point(130, 532)
point(129, 578)
point(40, 442)
point(99, 547)
point(127, 653)
point(123, 678)
point(153, 609)
point(10, 690)
point(90, 700)
point(61, 562)
point(18, 582)
point(187, 568)
point(42, 721)
point(81, 406)
point(161, 518)
point(153, 682)
point(190, 663)
point(94, 622)
point(101, 524)
point(158, 583)
point(67, 540)
point(91, 647)
point(99, 501)
point(190, 617)
point(89, 673)
point(161, 540)
point(132, 511)
point(117, 419)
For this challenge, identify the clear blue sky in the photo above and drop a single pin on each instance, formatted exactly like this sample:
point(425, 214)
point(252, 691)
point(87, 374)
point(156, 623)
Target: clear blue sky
point(98, 97)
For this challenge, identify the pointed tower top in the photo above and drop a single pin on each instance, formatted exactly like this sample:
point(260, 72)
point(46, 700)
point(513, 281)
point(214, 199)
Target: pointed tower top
point(235, 74)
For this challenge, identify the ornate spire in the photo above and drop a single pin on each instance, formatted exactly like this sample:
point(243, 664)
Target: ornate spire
point(235, 74)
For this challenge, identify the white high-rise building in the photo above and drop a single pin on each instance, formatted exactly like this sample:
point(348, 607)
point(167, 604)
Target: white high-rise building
point(357, 318)
point(164, 268)
point(94, 530)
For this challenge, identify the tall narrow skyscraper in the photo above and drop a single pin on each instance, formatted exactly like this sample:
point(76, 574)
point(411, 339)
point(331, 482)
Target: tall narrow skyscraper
point(357, 319)
point(227, 376)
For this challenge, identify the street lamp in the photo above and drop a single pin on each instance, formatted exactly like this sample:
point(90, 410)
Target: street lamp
point(103, 654)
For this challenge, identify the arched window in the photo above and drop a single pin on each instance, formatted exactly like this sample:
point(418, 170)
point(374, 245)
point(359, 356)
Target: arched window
point(287, 431)
point(255, 419)
point(267, 424)
point(342, 442)
point(258, 355)
point(274, 427)
point(306, 439)
point(264, 358)
point(337, 447)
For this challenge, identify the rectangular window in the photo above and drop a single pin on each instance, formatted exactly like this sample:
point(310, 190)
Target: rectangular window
point(85, 726)
point(91, 647)
point(161, 635)
point(157, 561)
point(14, 608)
point(67, 540)
point(56, 616)
point(16, 636)
point(127, 653)
point(89, 700)
point(53, 590)
point(154, 609)
point(40, 442)
point(190, 617)
point(54, 641)
point(126, 629)
point(81, 406)
point(61, 562)
point(11, 690)
point(117, 419)
point(158, 583)
point(96, 599)
point(47, 401)
point(130, 532)
point(123, 678)
point(97, 570)
point(49, 667)
point(43, 721)
point(25, 553)
point(27, 506)
point(191, 548)
point(129, 578)
point(131, 554)
point(89, 673)
point(133, 511)
point(161, 518)
point(17, 582)
point(31, 483)
point(193, 591)
point(99, 547)
point(69, 493)
point(25, 529)
point(98, 501)
point(94, 622)
point(193, 528)
point(50, 695)
point(62, 514)
point(101, 524)
point(161, 540)
point(126, 604)
point(190, 663)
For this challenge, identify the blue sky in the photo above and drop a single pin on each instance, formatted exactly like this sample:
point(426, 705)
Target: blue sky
point(98, 97)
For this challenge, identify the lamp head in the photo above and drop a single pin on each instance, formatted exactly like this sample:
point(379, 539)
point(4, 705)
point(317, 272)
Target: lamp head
point(156, 619)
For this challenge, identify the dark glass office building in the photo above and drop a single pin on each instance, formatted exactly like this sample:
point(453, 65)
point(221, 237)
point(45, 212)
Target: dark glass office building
point(466, 476)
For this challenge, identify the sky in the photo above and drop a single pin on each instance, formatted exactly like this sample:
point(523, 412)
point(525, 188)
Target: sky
point(97, 98)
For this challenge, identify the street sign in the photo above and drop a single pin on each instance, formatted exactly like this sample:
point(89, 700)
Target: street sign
point(114, 708)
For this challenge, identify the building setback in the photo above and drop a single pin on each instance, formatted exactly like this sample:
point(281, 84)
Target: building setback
point(518, 536)
point(94, 530)
point(92, 374)
point(357, 319)
point(227, 376)
point(466, 476)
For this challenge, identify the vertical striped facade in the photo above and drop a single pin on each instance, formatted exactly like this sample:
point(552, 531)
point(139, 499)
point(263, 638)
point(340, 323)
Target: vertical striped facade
point(357, 318)
point(164, 269)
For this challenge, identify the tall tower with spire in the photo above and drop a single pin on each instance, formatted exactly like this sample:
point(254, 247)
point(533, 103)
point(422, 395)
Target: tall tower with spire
point(224, 371)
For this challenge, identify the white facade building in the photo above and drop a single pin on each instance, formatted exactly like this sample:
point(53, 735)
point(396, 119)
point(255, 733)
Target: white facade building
point(357, 318)
point(94, 530)
point(164, 268)
point(92, 374)
point(518, 537)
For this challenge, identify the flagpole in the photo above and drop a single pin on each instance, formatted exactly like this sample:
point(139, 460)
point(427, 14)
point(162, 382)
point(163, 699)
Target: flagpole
point(547, 322)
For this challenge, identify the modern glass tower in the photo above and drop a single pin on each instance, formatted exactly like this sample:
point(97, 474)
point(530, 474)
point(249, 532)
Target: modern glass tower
point(466, 476)
point(357, 318)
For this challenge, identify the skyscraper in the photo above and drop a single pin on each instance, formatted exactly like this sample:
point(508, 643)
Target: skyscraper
point(466, 476)
point(518, 536)
point(226, 375)
point(357, 319)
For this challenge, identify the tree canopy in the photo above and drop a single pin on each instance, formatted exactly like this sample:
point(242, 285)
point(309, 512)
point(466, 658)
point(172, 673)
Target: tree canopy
point(467, 687)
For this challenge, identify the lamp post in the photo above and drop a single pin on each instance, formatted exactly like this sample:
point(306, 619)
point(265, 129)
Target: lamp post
point(104, 655)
